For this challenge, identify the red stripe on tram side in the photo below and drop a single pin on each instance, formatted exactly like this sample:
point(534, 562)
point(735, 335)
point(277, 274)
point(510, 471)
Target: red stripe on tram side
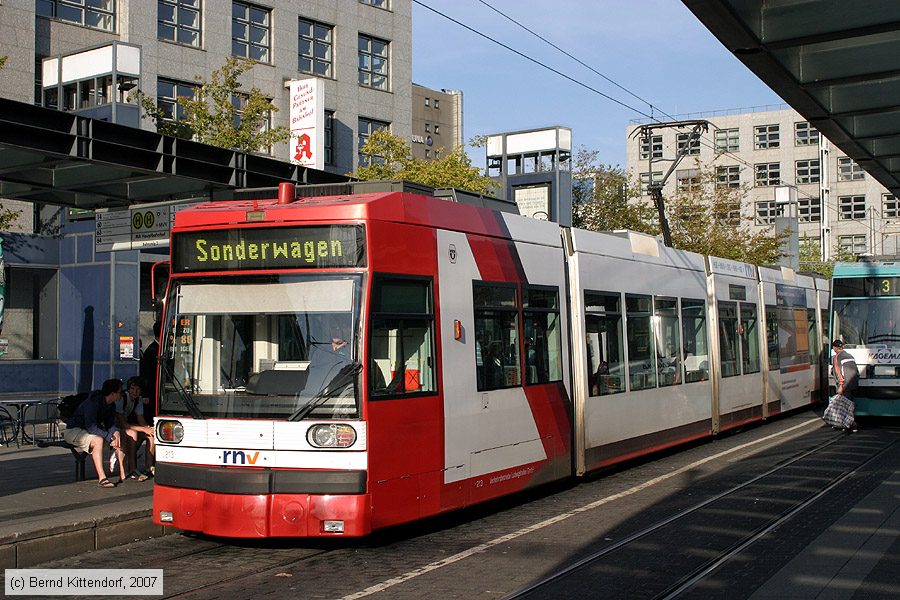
point(549, 405)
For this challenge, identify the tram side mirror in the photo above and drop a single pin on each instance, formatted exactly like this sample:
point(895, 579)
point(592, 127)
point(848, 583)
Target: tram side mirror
point(159, 278)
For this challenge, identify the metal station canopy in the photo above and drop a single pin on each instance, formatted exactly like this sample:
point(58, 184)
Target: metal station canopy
point(836, 62)
point(64, 159)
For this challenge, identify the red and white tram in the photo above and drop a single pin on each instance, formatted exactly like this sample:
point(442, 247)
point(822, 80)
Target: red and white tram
point(336, 365)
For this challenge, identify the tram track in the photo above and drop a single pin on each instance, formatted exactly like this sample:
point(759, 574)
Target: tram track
point(592, 570)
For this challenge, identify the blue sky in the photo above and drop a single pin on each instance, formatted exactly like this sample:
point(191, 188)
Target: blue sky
point(655, 48)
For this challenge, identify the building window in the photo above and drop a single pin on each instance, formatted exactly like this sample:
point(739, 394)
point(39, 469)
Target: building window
point(427, 101)
point(29, 320)
point(807, 171)
point(437, 103)
point(496, 336)
point(852, 244)
point(366, 128)
point(427, 128)
point(179, 21)
point(377, 3)
point(402, 343)
point(329, 137)
point(315, 46)
point(766, 136)
point(851, 207)
point(167, 93)
point(543, 335)
point(99, 14)
point(809, 210)
point(250, 31)
point(805, 134)
point(437, 129)
point(692, 145)
point(768, 174)
point(373, 62)
point(727, 140)
point(688, 180)
point(651, 147)
point(729, 176)
point(848, 170)
point(645, 181)
point(766, 212)
point(890, 208)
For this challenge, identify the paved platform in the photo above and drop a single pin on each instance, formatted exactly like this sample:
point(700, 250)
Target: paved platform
point(46, 515)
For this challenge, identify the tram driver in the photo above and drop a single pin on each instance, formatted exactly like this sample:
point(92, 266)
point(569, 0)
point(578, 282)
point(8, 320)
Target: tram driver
point(326, 360)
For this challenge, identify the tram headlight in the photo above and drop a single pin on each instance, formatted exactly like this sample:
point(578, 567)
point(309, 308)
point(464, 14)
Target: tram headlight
point(170, 431)
point(331, 435)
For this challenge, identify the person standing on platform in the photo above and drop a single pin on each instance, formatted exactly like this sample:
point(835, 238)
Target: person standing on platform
point(846, 374)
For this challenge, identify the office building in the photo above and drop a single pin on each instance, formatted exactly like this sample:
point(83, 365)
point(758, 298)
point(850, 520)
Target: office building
point(437, 121)
point(767, 149)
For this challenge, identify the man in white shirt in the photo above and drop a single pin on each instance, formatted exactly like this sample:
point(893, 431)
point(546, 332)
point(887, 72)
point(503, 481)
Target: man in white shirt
point(130, 419)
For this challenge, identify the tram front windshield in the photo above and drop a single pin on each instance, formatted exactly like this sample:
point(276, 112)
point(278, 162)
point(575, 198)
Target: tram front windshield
point(867, 321)
point(268, 347)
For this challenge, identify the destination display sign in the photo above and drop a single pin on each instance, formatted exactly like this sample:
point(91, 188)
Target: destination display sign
point(314, 247)
point(865, 287)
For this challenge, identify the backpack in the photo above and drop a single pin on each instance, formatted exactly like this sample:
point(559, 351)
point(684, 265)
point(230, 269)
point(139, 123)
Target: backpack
point(69, 404)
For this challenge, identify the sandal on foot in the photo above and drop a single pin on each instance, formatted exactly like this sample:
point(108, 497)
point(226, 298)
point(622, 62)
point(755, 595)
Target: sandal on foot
point(144, 476)
point(105, 483)
point(133, 476)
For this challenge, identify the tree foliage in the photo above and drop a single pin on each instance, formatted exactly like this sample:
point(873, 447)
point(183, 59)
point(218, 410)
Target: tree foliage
point(602, 199)
point(3, 60)
point(387, 156)
point(7, 216)
point(811, 258)
point(704, 217)
point(213, 116)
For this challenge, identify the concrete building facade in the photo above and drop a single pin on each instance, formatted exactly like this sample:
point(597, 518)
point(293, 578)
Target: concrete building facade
point(437, 121)
point(764, 150)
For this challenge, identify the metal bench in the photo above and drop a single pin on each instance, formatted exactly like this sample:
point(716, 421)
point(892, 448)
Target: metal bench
point(79, 456)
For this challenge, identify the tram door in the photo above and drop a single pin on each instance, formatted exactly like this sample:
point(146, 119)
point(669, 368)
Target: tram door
point(738, 342)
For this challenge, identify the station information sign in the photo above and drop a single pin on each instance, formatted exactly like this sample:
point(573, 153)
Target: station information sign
point(135, 227)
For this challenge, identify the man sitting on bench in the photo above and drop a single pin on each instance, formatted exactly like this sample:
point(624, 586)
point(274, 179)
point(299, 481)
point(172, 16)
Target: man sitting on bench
point(92, 426)
point(130, 420)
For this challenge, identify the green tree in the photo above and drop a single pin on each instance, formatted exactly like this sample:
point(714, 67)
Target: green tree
point(705, 217)
point(7, 216)
point(3, 60)
point(221, 113)
point(811, 258)
point(602, 199)
point(387, 156)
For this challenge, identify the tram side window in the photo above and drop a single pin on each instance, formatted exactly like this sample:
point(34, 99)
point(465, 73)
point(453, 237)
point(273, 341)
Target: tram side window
point(812, 332)
point(668, 341)
point(605, 351)
point(772, 336)
point(402, 343)
point(749, 338)
point(496, 336)
point(641, 351)
point(696, 353)
point(728, 338)
point(543, 339)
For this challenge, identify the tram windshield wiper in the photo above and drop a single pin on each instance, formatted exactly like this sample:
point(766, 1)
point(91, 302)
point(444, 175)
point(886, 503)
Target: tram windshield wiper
point(185, 395)
point(344, 377)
